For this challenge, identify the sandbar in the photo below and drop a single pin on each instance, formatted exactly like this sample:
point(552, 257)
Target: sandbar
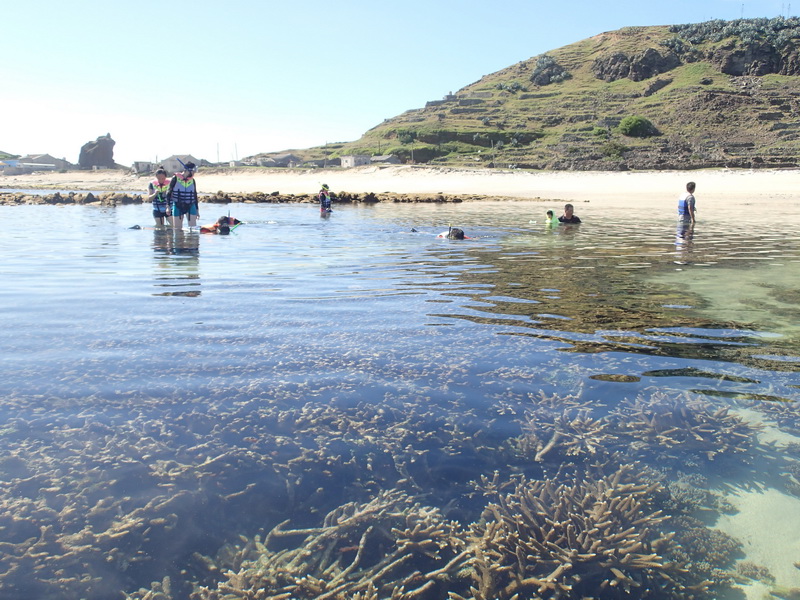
point(766, 189)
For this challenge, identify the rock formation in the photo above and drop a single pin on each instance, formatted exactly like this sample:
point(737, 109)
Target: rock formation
point(99, 153)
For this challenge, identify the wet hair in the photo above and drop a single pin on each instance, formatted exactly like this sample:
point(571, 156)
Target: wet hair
point(455, 234)
point(549, 213)
point(568, 206)
point(690, 187)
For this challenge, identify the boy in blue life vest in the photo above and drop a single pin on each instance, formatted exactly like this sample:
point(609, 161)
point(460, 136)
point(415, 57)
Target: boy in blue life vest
point(686, 204)
point(158, 192)
point(324, 198)
point(183, 197)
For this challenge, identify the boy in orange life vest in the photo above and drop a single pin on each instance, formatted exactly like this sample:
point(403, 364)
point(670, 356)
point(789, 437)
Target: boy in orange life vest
point(158, 192)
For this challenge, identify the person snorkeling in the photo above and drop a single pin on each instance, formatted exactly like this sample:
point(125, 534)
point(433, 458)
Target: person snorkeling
point(453, 233)
point(222, 226)
point(324, 197)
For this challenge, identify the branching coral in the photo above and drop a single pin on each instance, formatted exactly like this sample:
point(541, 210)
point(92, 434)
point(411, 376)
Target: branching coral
point(682, 426)
point(390, 547)
point(575, 539)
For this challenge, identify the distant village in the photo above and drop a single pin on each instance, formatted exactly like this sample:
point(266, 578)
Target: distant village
point(99, 155)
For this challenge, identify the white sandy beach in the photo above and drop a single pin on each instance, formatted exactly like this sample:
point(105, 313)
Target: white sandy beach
point(716, 189)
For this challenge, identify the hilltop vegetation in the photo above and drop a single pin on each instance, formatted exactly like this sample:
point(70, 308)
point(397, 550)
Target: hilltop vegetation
point(720, 93)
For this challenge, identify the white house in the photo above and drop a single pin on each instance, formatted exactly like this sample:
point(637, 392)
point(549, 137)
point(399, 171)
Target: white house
point(355, 160)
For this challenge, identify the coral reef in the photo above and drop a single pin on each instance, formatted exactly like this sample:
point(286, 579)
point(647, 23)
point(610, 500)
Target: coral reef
point(390, 547)
point(576, 539)
point(199, 501)
point(682, 426)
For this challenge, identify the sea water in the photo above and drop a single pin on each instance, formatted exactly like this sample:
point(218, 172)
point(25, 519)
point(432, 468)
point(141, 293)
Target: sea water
point(129, 331)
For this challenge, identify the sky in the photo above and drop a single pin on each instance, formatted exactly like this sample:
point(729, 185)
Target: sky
point(226, 80)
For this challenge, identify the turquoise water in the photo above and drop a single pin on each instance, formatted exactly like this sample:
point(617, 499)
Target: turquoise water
point(146, 368)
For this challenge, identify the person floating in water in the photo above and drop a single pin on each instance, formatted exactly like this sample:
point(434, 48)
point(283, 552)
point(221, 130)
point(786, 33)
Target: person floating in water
point(158, 192)
point(223, 226)
point(183, 197)
point(550, 219)
point(324, 197)
point(569, 217)
point(454, 233)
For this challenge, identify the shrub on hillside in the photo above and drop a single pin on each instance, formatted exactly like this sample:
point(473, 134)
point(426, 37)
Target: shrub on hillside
point(613, 149)
point(636, 127)
point(548, 71)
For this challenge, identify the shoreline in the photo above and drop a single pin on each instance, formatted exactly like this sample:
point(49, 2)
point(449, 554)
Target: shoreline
point(715, 188)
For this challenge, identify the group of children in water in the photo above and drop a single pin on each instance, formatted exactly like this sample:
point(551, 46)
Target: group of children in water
point(176, 198)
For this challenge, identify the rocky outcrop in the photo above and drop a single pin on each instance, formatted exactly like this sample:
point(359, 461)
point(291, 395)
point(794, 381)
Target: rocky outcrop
point(754, 60)
point(99, 153)
point(638, 67)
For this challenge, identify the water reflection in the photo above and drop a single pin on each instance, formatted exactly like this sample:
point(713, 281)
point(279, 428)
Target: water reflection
point(176, 262)
point(684, 242)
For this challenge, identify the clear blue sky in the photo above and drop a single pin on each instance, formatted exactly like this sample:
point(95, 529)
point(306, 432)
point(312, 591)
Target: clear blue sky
point(231, 79)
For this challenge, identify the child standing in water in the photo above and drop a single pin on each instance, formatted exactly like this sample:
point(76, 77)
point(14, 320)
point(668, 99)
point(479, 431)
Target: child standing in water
point(158, 192)
point(324, 198)
point(183, 197)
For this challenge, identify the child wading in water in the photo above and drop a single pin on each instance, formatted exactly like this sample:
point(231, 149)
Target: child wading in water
point(324, 199)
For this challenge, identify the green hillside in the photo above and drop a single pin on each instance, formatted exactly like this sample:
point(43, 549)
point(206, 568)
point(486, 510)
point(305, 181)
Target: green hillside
point(721, 93)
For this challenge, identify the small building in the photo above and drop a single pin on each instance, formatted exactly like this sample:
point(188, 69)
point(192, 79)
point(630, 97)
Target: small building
point(45, 162)
point(287, 160)
point(174, 164)
point(355, 160)
point(385, 159)
point(143, 166)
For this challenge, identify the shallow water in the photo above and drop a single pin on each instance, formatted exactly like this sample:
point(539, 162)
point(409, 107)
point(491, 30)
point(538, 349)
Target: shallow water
point(132, 332)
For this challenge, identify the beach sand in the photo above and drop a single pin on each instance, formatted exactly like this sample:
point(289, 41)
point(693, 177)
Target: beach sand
point(715, 188)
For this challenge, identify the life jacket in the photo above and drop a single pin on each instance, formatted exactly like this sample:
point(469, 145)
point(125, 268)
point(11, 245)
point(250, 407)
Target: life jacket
point(325, 198)
point(684, 202)
point(184, 191)
point(161, 192)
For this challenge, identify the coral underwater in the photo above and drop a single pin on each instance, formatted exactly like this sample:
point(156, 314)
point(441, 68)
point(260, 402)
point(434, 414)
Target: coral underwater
point(589, 536)
point(270, 498)
point(388, 547)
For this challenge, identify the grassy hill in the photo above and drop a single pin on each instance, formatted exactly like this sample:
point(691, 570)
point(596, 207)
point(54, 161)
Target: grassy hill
point(720, 93)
